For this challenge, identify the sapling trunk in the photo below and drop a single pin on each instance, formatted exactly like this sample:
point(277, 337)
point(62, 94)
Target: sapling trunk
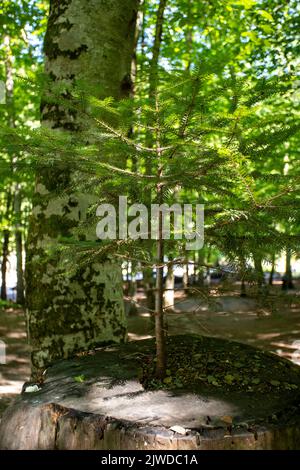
point(161, 355)
point(159, 300)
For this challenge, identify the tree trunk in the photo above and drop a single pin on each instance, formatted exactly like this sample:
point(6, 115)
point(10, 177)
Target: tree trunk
point(19, 246)
point(288, 277)
point(208, 275)
point(185, 278)
point(188, 33)
point(153, 76)
point(159, 300)
point(243, 270)
point(13, 158)
point(148, 283)
point(9, 84)
point(261, 285)
point(200, 280)
point(271, 278)
point(132, 291)
point(139, 32)
point(91, 42)
point(169, 287)
point(243, 288)
point(5, 252)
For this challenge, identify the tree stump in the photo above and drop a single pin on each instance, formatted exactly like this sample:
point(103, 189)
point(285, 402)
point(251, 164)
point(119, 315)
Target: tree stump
point(96, 401)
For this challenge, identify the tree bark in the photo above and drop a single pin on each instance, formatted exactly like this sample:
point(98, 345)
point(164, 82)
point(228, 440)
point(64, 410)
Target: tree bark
point(261, 285)
point(189, 36)
point(160, 326)
point(91, 42)
point(272, 271)
point(200, 277)
point(159, 300)
point(153, 75)
point(243, 288)
point(9, 83)
point(148, 283)
point(19, 246)
point(5, 249)
point(5, 252)
point(13, 159)
point(288, 277)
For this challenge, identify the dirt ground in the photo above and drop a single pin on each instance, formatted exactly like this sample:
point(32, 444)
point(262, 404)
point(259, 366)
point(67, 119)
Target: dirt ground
point(273, 325)
point(16, 370)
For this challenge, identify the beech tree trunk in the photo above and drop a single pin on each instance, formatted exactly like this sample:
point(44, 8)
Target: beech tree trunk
point(90, 41)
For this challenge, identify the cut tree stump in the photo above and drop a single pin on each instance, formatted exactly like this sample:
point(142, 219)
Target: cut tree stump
point(96, 401)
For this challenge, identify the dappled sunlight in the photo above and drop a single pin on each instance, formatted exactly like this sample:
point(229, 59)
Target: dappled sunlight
point(10, 386)
point(130, 401)
point(16, 334)
point(267, 336)
point(284, 345)
point(221, 318)
point(135, 337)
point(249, 324)
point(17, 368)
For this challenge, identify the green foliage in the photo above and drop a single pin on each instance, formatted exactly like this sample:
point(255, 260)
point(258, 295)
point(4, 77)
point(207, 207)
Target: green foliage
point(22, 27)
point(226, 117)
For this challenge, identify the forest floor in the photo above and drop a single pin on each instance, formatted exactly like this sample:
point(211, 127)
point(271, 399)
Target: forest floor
point(273, 325)
point(17, 369)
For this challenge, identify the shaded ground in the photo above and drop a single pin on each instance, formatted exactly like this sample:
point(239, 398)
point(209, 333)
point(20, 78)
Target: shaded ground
point(275, 327)
point(272, 326)
point(16, 370)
